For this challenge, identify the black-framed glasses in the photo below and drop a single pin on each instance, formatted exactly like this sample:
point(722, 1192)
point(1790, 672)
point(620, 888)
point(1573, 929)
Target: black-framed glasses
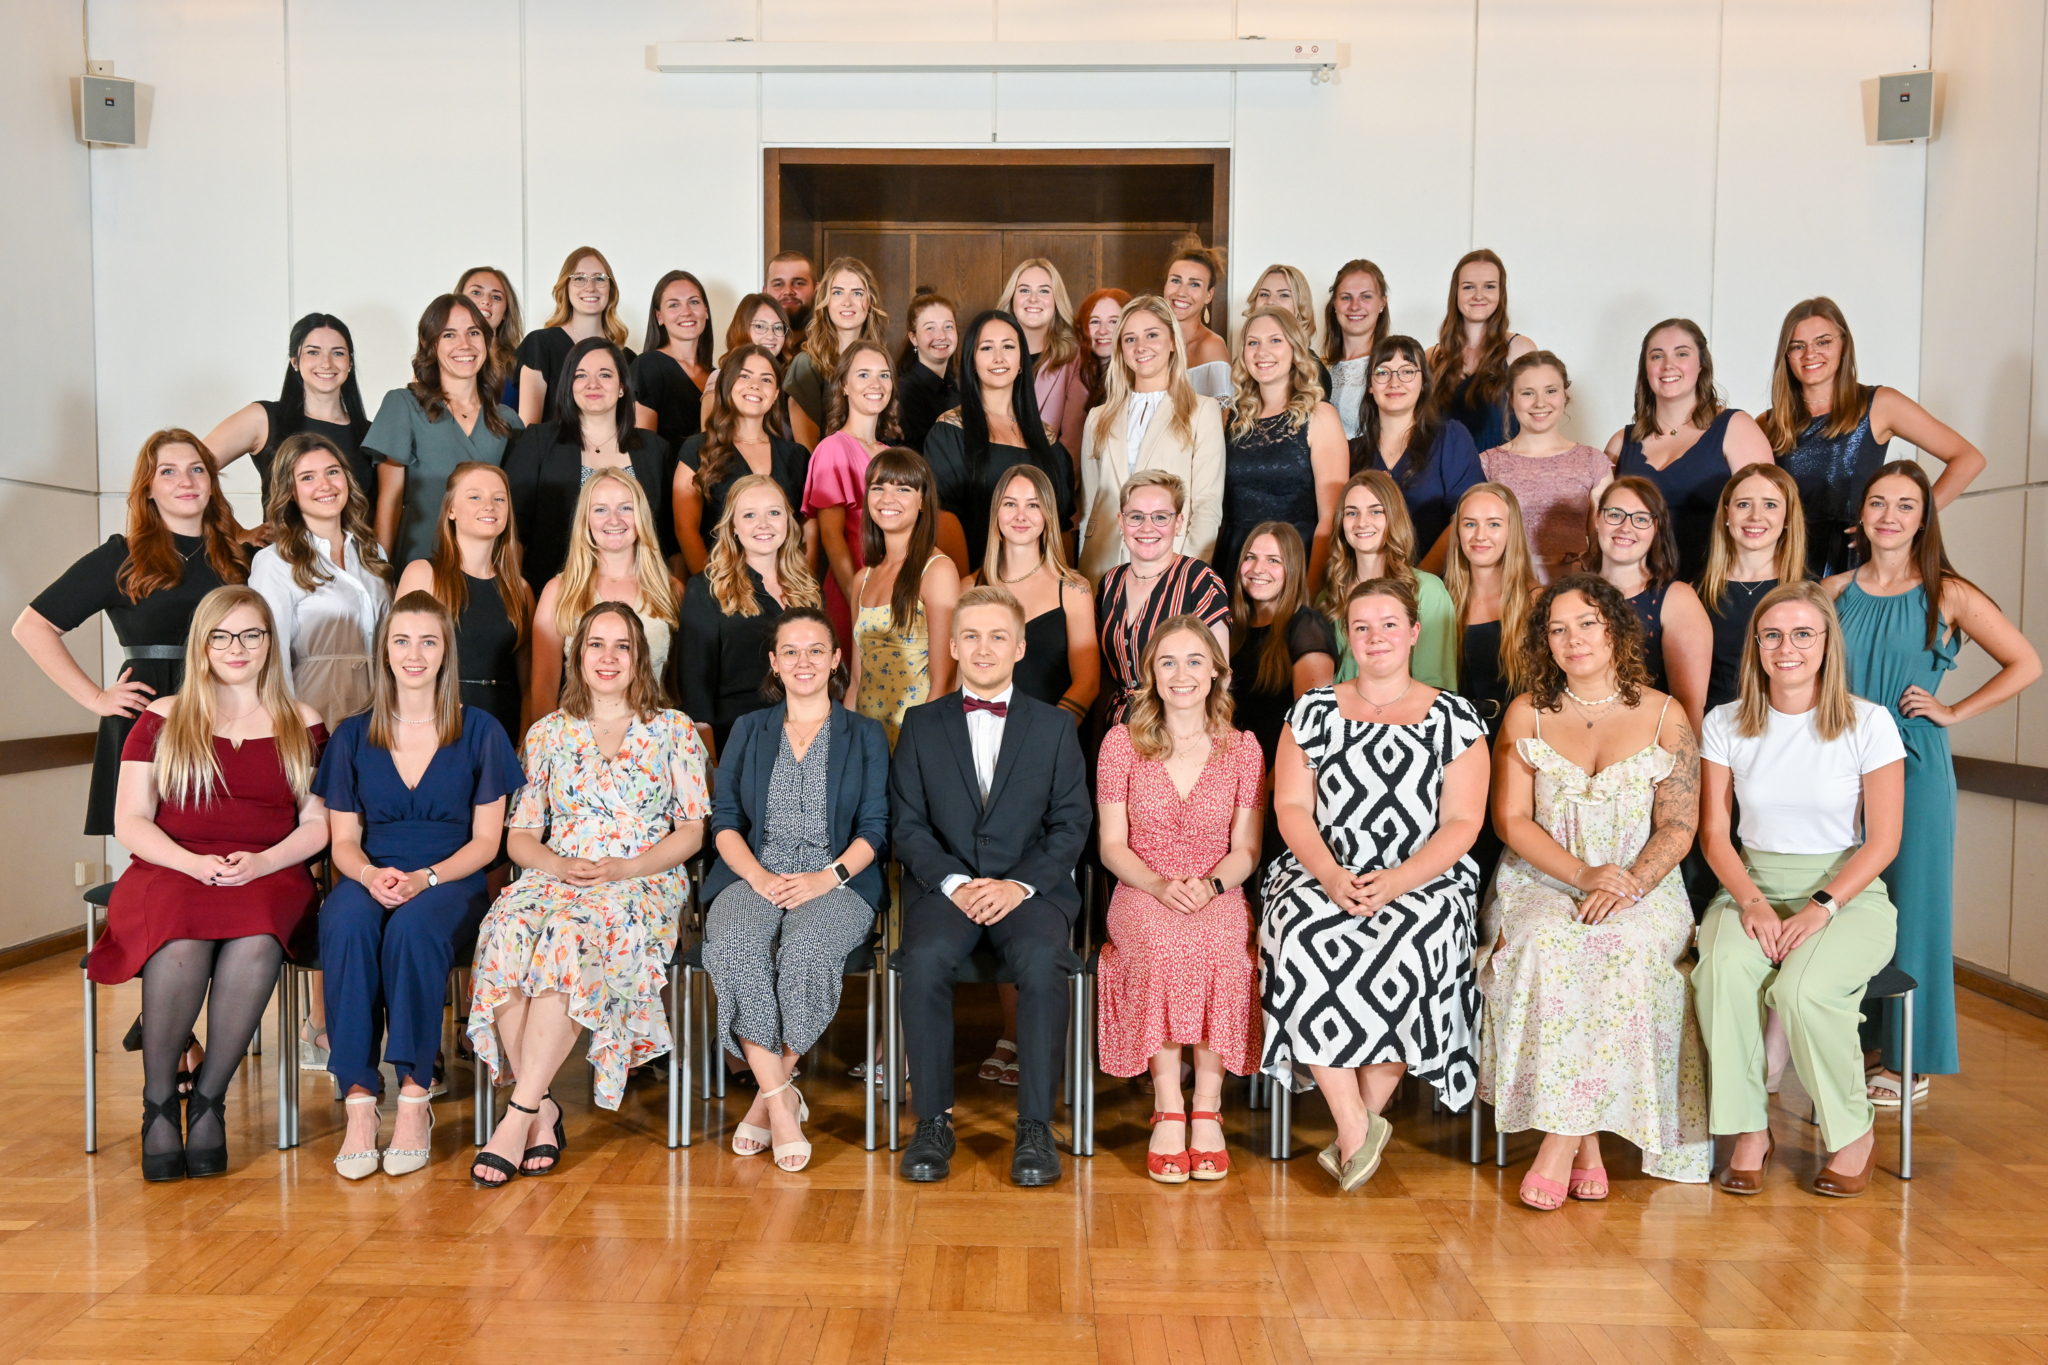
point(218, 640)
point(1801, 638)
point(1407, 374)
point(1615, 516)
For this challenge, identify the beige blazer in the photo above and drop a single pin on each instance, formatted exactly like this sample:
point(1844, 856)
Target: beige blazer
point(1106, 465)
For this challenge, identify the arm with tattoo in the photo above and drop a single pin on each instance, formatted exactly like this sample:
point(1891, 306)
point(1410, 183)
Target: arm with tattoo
point(1675, 816)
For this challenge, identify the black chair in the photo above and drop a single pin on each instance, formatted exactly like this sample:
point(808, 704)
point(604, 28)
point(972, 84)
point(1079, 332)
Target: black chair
point(1895, 983)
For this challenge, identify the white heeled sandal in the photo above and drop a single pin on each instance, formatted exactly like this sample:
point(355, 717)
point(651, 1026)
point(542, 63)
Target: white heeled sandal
point(404, 1161)
point(358, 1165)
point(799, 1148)
point(762, 1139)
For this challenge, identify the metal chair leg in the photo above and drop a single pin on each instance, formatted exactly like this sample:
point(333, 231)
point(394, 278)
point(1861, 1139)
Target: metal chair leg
point(1500, 1148)
point(1477, 1122)
point(1905, 1093)
point(92, 1041)
point(678, 1061)
point(868, 1063)
point(892, 1005)
point(285, 1029)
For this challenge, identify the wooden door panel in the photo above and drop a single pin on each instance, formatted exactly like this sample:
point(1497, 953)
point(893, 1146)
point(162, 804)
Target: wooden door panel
point(1077, 254)
point(1135, 260)
point(963, 264)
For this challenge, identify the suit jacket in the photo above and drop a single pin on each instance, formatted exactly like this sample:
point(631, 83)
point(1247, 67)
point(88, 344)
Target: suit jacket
point(546, 476)
point(1035, 822)
point(857, 778)
point(1106, 465)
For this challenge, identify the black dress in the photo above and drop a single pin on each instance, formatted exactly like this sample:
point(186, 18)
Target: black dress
point(546, 351)
point(544, 467)
point(1044, 672)
point(665, 386)
point(1265, 713)
point(1691, 485)
point(721, 659)
point(789, 464)
point(1649, 605)
point(1267, 476)
point(487, 648)
point(1832, 473)
point(920, 397)
point(347, 435)
point(967, 479)
point(152, 634)
point(1481, 683)
point(1731, 618)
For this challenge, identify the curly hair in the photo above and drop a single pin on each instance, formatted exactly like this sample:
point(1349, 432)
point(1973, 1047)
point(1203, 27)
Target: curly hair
point(1624, 633)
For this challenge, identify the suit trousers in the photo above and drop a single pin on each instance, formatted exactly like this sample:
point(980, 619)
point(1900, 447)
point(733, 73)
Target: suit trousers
point(1032, 941)
point(386, 974)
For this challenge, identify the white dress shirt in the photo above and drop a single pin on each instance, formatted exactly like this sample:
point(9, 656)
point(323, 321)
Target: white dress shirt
point(325, 635)
point(985, 737)
point(1138, 411)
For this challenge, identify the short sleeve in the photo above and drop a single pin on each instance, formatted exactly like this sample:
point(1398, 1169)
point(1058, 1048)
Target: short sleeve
point(140, 746)
point(692, 452)
point(1206, 597)
point(1309, 633)
point(390, 436)
point(529, 809)
point(1717, 734)
point(1251, 771)
point(1462, 726)
point(1309, 718)
point(1877, 737)
point(833, 480)
point(689, 798)
point(1113, 767)
point(86, 589)
point(533, 355)
point(335, 782)
point(492, 757)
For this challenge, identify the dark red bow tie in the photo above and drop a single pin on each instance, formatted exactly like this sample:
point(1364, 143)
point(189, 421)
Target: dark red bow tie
point(999, 709)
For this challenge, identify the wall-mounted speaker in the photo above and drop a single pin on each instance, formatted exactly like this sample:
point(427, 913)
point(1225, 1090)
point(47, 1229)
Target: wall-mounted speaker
point(106, 110)
point(1905, 106)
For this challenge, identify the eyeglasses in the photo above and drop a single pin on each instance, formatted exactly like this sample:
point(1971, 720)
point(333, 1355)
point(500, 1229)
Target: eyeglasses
point(773, 329)
point(1802, 639)
point(220, 640)
point(1614, 516)
point(599, 278)
point(1137, 521)
point(1407, 374)
point(1818, 344)
point(789, 654)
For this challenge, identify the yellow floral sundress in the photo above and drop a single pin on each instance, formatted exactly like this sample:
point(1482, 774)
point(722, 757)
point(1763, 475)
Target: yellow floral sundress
point(606, 947)
point(895, 665)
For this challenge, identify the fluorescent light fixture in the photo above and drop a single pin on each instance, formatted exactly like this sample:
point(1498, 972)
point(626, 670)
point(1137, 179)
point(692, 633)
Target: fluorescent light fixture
point(1318, 56)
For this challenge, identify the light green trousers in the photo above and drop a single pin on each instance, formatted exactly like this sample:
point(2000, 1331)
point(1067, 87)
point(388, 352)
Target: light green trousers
point(1817, 991)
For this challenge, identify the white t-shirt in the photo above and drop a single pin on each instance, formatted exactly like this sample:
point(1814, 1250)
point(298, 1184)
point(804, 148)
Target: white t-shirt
point(1794, 793)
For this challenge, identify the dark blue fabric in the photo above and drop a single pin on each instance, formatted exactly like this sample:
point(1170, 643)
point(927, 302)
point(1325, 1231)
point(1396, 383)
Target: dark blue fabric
point(408, 828)
point(1832, 472)
point(857, 775)
point(1432, 498)
point(1691, 485)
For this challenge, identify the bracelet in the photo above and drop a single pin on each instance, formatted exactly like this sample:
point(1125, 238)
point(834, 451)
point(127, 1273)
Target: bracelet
point(364, 875)
point(1575, 878)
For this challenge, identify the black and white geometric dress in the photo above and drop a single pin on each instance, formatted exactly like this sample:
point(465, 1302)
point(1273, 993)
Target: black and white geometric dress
point(1344, 990)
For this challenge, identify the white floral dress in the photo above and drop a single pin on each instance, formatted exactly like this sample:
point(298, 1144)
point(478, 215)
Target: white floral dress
point(1590, 1027)
point(606, 947)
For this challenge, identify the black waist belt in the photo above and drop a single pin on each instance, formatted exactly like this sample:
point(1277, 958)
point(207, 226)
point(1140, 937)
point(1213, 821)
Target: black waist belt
point(176, 652)
point(479, 682)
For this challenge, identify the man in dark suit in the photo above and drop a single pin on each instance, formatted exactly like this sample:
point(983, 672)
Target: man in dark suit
point(991, 809)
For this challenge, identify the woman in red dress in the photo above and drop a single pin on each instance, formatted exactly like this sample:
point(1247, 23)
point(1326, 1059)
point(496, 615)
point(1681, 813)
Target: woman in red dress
point(1179, 794)
point(215, 804)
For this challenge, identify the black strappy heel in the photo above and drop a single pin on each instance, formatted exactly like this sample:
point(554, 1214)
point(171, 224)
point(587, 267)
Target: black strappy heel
point(131, 1041)
point(551, 1151)
point(164, 1165)
point(491, 1161)
point(201, 1162)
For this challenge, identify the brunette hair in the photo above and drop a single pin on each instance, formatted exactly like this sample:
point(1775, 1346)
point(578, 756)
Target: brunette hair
point(1093, 372)
point(643, 693)
point(1661, 565)
point(569, 417)
point(447, 684)
point(740, 331)
point(1146, 719)
point(1397, 546)
point(613, 328)
point(1706, 399)
point(505, 337)
point(153, 561)
point(1518, 581)
point(1834, 712)
point(904, 466)
point(1788, 561)
point(1119, 382)
point(655, 337)
point(717, 451)
point(1062, 342)
point(888, 425)
point(292, 397)
point(426, 387)
point(925, 301)
point(451, 584)
point(1429, 422)
point(287, 520)
point(1210, 258)
point(835, 684)
point(725, 569)
point(1304, 386)
point(1788, 416)
point(1930, 556)
point(187, 761)
point(1400, 589)
point(1051, 546)
point(1333, 335)
point(1490, 377)
point(1276, 660)
point(1540, 670)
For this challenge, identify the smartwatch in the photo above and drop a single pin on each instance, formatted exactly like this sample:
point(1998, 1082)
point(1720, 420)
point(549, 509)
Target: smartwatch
point(1824, 901)
point(839, 871)
point(1216, 885)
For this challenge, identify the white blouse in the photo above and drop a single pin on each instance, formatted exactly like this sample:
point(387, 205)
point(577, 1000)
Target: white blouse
point(1138, 410)
point(1347, 386)
point(328, 634)
point(1212, 380)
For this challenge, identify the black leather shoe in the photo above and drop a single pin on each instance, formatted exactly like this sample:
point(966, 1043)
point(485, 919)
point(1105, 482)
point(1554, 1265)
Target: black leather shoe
point(930, 1154)
point(1037, 1161)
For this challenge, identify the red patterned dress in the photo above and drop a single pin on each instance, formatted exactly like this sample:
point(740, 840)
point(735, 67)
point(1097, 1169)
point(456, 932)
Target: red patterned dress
point(1167, 977)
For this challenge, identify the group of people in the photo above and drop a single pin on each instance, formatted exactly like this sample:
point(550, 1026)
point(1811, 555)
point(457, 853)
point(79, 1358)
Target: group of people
point(1350, 672)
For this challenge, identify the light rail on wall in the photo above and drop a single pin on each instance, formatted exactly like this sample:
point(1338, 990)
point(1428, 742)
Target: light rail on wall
point(1319, 57)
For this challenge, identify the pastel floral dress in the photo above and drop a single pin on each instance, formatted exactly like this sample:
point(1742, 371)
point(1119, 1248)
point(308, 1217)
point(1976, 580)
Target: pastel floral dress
point(1590, 1027)
point(895, 665)
point(606, 947)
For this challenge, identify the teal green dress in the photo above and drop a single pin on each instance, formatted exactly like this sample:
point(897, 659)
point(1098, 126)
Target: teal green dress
point(1886, 641)
point(1435, 661)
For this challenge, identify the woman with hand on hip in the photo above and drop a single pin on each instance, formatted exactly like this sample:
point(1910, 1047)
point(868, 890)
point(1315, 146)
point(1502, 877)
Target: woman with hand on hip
point(319, 398)
point(1589, 1028)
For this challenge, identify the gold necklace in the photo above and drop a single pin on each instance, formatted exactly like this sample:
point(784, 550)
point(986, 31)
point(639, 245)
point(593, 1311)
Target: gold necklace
point(1379, 708)
point(1021, 577)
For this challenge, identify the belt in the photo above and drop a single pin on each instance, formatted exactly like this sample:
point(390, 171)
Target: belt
point(1487, 707)
point(153, 652)
point(479, 682)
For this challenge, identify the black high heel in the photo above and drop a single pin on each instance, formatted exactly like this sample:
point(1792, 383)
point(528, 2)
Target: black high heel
point(201, 1162)
point(164, 1165)
point(491, 1161)
point(131, 1041)
point(551, 1151)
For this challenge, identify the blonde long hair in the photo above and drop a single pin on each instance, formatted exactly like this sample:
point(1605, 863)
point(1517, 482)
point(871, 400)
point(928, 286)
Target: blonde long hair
point(614, 330)
point(1518, 583)
point(579, 572)
point(821, 342)
point(725, 570)
point(1050, 546)
point(1788, 561)
point(447, 685)
point(1118, 381)
point(187, 766)
point(1397, 546)
point(451, 584)
point(1834, 713)
point(287, 521)
point(1146, 719)
point(1304, 386)
point(1062, 341)
point(1304, 297)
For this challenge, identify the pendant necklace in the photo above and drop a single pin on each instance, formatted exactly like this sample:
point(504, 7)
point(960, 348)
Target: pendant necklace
point(1583, 704)
point(1379, 708)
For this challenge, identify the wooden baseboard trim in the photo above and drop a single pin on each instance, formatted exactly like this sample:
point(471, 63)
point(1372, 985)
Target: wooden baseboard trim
point(2003, 989)
point(35, 950)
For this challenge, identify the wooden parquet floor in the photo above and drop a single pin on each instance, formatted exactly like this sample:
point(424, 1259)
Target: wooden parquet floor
point(637, 1253)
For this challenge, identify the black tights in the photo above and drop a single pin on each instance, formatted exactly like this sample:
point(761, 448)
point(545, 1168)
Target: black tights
point(242, 973)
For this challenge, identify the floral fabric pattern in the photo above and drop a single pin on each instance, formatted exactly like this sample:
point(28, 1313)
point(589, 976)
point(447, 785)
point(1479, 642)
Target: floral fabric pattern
point(895, 665)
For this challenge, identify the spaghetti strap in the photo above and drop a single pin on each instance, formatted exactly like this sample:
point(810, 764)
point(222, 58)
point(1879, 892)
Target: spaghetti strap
point(1660, 718)
point(1539, 721)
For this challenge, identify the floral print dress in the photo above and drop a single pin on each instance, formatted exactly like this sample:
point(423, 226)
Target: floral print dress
point(606, 947)
point(895, 665)
point(1590, 1027)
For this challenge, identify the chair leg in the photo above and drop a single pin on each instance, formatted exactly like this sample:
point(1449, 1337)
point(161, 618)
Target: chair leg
point(678, 1060)
point(1500, 1148)
point(285, 1029)
point(1905, 1093)
point(480, 1101)
point(868, 1063)
point(892, 1004)
point(1091, 1004)
point(1478, 1121)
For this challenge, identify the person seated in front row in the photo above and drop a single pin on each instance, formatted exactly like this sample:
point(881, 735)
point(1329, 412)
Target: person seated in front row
point(800, 818)
point(413, 832)
point(583, 939)
point(991, 813)
point(1803, 920)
